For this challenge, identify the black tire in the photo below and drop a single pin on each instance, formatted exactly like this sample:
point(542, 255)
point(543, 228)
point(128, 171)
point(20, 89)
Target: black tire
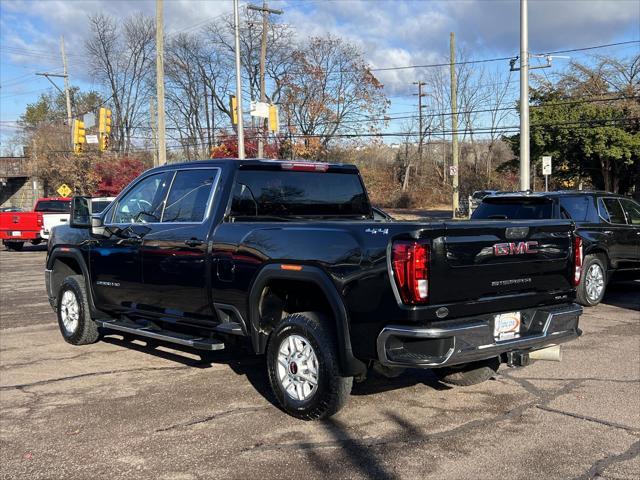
point(85, 330)
point(584, 295)
point(469, 373)
point(332, 390)
point(15, 246)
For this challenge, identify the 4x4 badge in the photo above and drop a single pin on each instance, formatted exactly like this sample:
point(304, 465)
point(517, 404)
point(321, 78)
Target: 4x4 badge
point(375, 231)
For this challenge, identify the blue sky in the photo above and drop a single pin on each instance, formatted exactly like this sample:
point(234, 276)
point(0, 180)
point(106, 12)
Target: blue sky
point(390, 33)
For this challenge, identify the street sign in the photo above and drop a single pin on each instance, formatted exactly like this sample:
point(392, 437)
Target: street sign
point(259, 109)
point(92, 138)
point(64, 190)
point(453, 171)
point(546, 165)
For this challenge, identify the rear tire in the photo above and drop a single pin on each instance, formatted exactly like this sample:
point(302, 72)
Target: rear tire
point(302, 362)
point(593, 281)
point(15, 246)
point(74, 318)
point(469, 373)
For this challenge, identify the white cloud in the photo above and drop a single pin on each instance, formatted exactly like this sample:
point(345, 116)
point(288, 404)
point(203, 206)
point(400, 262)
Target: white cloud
point(390, 33)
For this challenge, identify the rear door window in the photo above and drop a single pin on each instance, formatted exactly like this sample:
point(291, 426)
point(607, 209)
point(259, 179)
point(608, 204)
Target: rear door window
point(189, 197)
point(611, 210)
point(632, 210)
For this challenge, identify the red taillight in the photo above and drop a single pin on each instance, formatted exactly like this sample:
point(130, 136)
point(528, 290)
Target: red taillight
point(39, 219)
point(410, 264)
point(577, 260)
point(305, 167)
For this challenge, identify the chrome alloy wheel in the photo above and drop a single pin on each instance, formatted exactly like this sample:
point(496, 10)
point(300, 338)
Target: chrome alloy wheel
point(69, 311)
point(594, 282)
point(297, 367)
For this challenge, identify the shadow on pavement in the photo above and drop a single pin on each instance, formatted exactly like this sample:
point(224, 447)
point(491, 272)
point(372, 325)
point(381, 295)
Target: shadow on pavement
point(242, 362)
point(29, 248)
point(623, 294)
point(376, 383)
point(236, 357)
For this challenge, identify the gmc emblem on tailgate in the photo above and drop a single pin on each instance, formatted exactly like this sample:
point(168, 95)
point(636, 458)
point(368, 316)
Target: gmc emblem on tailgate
point(515, 248)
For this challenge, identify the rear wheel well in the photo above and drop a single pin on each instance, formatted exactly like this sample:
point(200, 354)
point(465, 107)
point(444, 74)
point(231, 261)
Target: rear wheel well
point(280, 298)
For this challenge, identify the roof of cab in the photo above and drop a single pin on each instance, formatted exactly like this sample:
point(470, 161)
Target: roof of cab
point(252, 162)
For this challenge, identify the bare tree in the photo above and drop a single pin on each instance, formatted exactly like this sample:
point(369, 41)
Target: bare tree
point(219, 57)
point(122, 58)
point(331, 91)
point(186, 102)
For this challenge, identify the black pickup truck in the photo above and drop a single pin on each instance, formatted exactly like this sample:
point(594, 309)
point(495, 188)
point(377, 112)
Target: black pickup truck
point(289, 257)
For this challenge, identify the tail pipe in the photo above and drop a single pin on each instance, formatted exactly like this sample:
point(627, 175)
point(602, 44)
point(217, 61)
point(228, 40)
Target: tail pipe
point(521, 358)
point(553, 354)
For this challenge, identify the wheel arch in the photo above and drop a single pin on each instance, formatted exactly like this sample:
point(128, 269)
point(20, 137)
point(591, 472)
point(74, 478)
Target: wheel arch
point(65, 262)
point(314, 282)
point(602, 252)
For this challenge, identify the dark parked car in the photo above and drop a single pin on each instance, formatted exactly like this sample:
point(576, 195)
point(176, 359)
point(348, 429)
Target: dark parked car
point(608, 224)
point(288, 257)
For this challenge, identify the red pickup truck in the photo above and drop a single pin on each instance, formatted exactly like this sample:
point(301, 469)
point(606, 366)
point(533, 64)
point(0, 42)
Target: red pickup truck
point(16, 228)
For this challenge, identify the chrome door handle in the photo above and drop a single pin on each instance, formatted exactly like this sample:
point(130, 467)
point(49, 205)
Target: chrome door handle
point(608, 232)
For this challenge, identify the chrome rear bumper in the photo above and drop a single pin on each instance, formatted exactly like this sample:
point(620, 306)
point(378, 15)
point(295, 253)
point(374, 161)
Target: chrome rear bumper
point(471, 339)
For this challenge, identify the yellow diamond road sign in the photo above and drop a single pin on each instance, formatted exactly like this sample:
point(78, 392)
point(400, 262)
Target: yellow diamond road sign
point(64, 190)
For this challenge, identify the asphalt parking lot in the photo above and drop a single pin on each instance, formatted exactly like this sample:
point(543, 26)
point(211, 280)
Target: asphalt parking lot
point(120, 410)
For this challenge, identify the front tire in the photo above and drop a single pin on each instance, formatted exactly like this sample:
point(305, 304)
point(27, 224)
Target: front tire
point(74, 318)
point(302, 362)
point(469, 373)
point(593, 282)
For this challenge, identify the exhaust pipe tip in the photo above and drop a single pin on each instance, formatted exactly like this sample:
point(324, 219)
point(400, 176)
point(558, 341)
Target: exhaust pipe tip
point(552, 354)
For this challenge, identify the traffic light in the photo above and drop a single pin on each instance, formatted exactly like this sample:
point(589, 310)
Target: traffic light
point(79, 136)
point(104, 128)
point(274, 123)
point(234, 109)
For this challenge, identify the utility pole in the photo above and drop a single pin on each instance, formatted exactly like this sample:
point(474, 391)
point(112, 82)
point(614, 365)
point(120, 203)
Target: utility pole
point(66, 80)
point(162, 139)
point(444, 150)
point(454, 123)
point(263, 59)
point(524, 98)
point(236, 18)
point(154, 130)
point(420, 84)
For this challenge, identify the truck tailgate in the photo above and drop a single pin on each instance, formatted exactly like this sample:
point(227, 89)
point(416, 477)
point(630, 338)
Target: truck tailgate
point(486, 261)
point(25, 225)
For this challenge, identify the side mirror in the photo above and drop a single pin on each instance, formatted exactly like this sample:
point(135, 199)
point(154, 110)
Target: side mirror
point(80, 212)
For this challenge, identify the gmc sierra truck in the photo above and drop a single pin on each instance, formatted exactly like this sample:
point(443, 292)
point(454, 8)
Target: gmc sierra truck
point(288, 257)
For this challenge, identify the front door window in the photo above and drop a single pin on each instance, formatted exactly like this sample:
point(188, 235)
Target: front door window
point(144, 202)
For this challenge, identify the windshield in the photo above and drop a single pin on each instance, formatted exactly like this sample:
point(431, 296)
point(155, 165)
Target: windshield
point(53, 206)
point(514, 209)
point(260, 193)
